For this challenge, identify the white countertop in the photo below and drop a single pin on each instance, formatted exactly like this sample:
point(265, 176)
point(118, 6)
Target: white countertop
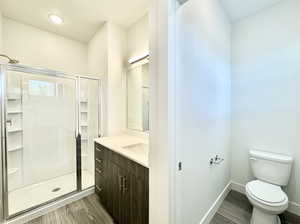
point(117, 144)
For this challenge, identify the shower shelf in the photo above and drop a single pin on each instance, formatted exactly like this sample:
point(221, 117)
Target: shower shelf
point(15, 148)
point(13, 98)
point(84, 125)
point(13, 170)
point(83, 101)
point(84, 155)
point(15, 130)
point(15, 112)
point(83, 111)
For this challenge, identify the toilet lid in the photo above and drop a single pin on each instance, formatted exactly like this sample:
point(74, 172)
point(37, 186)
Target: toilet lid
point(266, 192)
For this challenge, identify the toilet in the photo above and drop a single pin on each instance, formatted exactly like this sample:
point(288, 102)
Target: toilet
point(272, 171)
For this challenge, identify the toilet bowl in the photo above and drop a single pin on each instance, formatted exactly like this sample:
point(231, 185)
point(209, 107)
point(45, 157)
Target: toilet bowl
point(268, 201)
point(265, 194)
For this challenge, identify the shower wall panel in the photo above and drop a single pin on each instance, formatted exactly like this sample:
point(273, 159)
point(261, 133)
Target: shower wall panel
point(49, 132)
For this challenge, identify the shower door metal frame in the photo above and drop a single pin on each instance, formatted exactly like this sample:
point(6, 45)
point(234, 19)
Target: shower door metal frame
point(3, 155)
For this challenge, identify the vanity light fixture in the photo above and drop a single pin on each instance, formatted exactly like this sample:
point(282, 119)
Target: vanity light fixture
point(55, 19)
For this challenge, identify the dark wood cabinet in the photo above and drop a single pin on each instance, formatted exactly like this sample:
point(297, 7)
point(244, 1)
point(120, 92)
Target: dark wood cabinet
point(122, 186)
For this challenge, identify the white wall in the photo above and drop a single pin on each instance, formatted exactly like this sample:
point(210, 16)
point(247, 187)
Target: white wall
point(97, 52)
point(202, 104)
point(162, 166)
point(38, 48)
point(1, 34)
point(1, 209)
point(117, 49)
point(265, 89)
point(138, 38)
point(98, 65)
point(106, 57)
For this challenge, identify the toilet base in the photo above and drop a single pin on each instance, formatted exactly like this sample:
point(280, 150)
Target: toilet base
point(261, 217)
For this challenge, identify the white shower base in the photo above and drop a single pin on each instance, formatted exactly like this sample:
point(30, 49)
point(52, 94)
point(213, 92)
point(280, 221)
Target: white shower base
point(27, 197)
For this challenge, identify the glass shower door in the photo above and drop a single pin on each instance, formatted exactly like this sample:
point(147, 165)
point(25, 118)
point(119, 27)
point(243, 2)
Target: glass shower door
point(41, 124)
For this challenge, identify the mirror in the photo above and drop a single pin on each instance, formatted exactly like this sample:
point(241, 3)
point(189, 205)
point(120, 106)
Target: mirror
point(138, 96)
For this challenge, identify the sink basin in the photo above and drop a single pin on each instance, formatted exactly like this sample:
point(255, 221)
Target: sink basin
point(137, 148)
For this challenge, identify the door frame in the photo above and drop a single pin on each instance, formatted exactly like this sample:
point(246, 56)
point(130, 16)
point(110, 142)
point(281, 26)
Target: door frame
point(163, 158)
point(3, 156)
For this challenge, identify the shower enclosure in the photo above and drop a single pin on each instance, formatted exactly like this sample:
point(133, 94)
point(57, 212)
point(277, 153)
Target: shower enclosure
point(48, 123)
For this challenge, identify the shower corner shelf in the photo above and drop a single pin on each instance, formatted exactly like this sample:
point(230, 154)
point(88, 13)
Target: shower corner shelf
point(15, 112)
point(15, 130)
point(13, 98)
point(17, 148)
point(12, 170)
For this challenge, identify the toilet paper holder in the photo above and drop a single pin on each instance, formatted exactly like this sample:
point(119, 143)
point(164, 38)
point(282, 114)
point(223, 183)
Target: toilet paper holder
point(216, 160)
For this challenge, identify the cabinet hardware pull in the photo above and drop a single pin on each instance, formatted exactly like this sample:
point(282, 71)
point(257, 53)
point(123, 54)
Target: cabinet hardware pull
point(125, 182)
point(98, 188)
point(124, 185)
point(99, 171)
point(121, 183)
point(98, 149)
point(99, 160)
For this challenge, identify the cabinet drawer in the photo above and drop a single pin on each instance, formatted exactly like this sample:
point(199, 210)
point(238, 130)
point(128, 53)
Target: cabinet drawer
point(99, 180)
point(99, 162)
point(100, 188)
point(99, 170)
point(99, 152)
point(100, 191)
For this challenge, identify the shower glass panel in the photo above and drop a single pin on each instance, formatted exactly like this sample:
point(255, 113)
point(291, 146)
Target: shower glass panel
point(89, 127)
point(41, 124)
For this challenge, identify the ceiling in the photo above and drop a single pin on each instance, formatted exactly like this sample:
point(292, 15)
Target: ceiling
point(82, 18)
point(238, 9)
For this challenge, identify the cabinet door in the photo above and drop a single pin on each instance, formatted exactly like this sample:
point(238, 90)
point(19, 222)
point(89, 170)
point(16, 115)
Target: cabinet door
point(125, 203)
point(139, 201)
point(120, 195)
point(110, 186)
point(116, 188)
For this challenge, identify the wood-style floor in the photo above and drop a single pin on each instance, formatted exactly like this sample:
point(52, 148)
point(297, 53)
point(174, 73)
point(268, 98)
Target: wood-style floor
point(85, 211)
point(236, 209)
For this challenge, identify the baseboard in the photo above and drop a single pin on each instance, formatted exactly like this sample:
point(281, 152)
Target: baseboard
point(238, 187)
point(216, 205)
point(49, 208)
point(293, 206)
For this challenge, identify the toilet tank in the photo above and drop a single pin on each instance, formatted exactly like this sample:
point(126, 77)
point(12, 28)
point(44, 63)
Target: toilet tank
point(271, 167)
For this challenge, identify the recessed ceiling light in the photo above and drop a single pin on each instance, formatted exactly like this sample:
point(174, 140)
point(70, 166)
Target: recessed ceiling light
point(55, 19)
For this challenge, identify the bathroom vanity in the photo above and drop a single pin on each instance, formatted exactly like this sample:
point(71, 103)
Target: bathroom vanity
point(122, 178)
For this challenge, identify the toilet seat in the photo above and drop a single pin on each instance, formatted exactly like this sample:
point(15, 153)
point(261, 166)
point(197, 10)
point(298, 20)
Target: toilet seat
point(268, 193)
point(258, 192)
